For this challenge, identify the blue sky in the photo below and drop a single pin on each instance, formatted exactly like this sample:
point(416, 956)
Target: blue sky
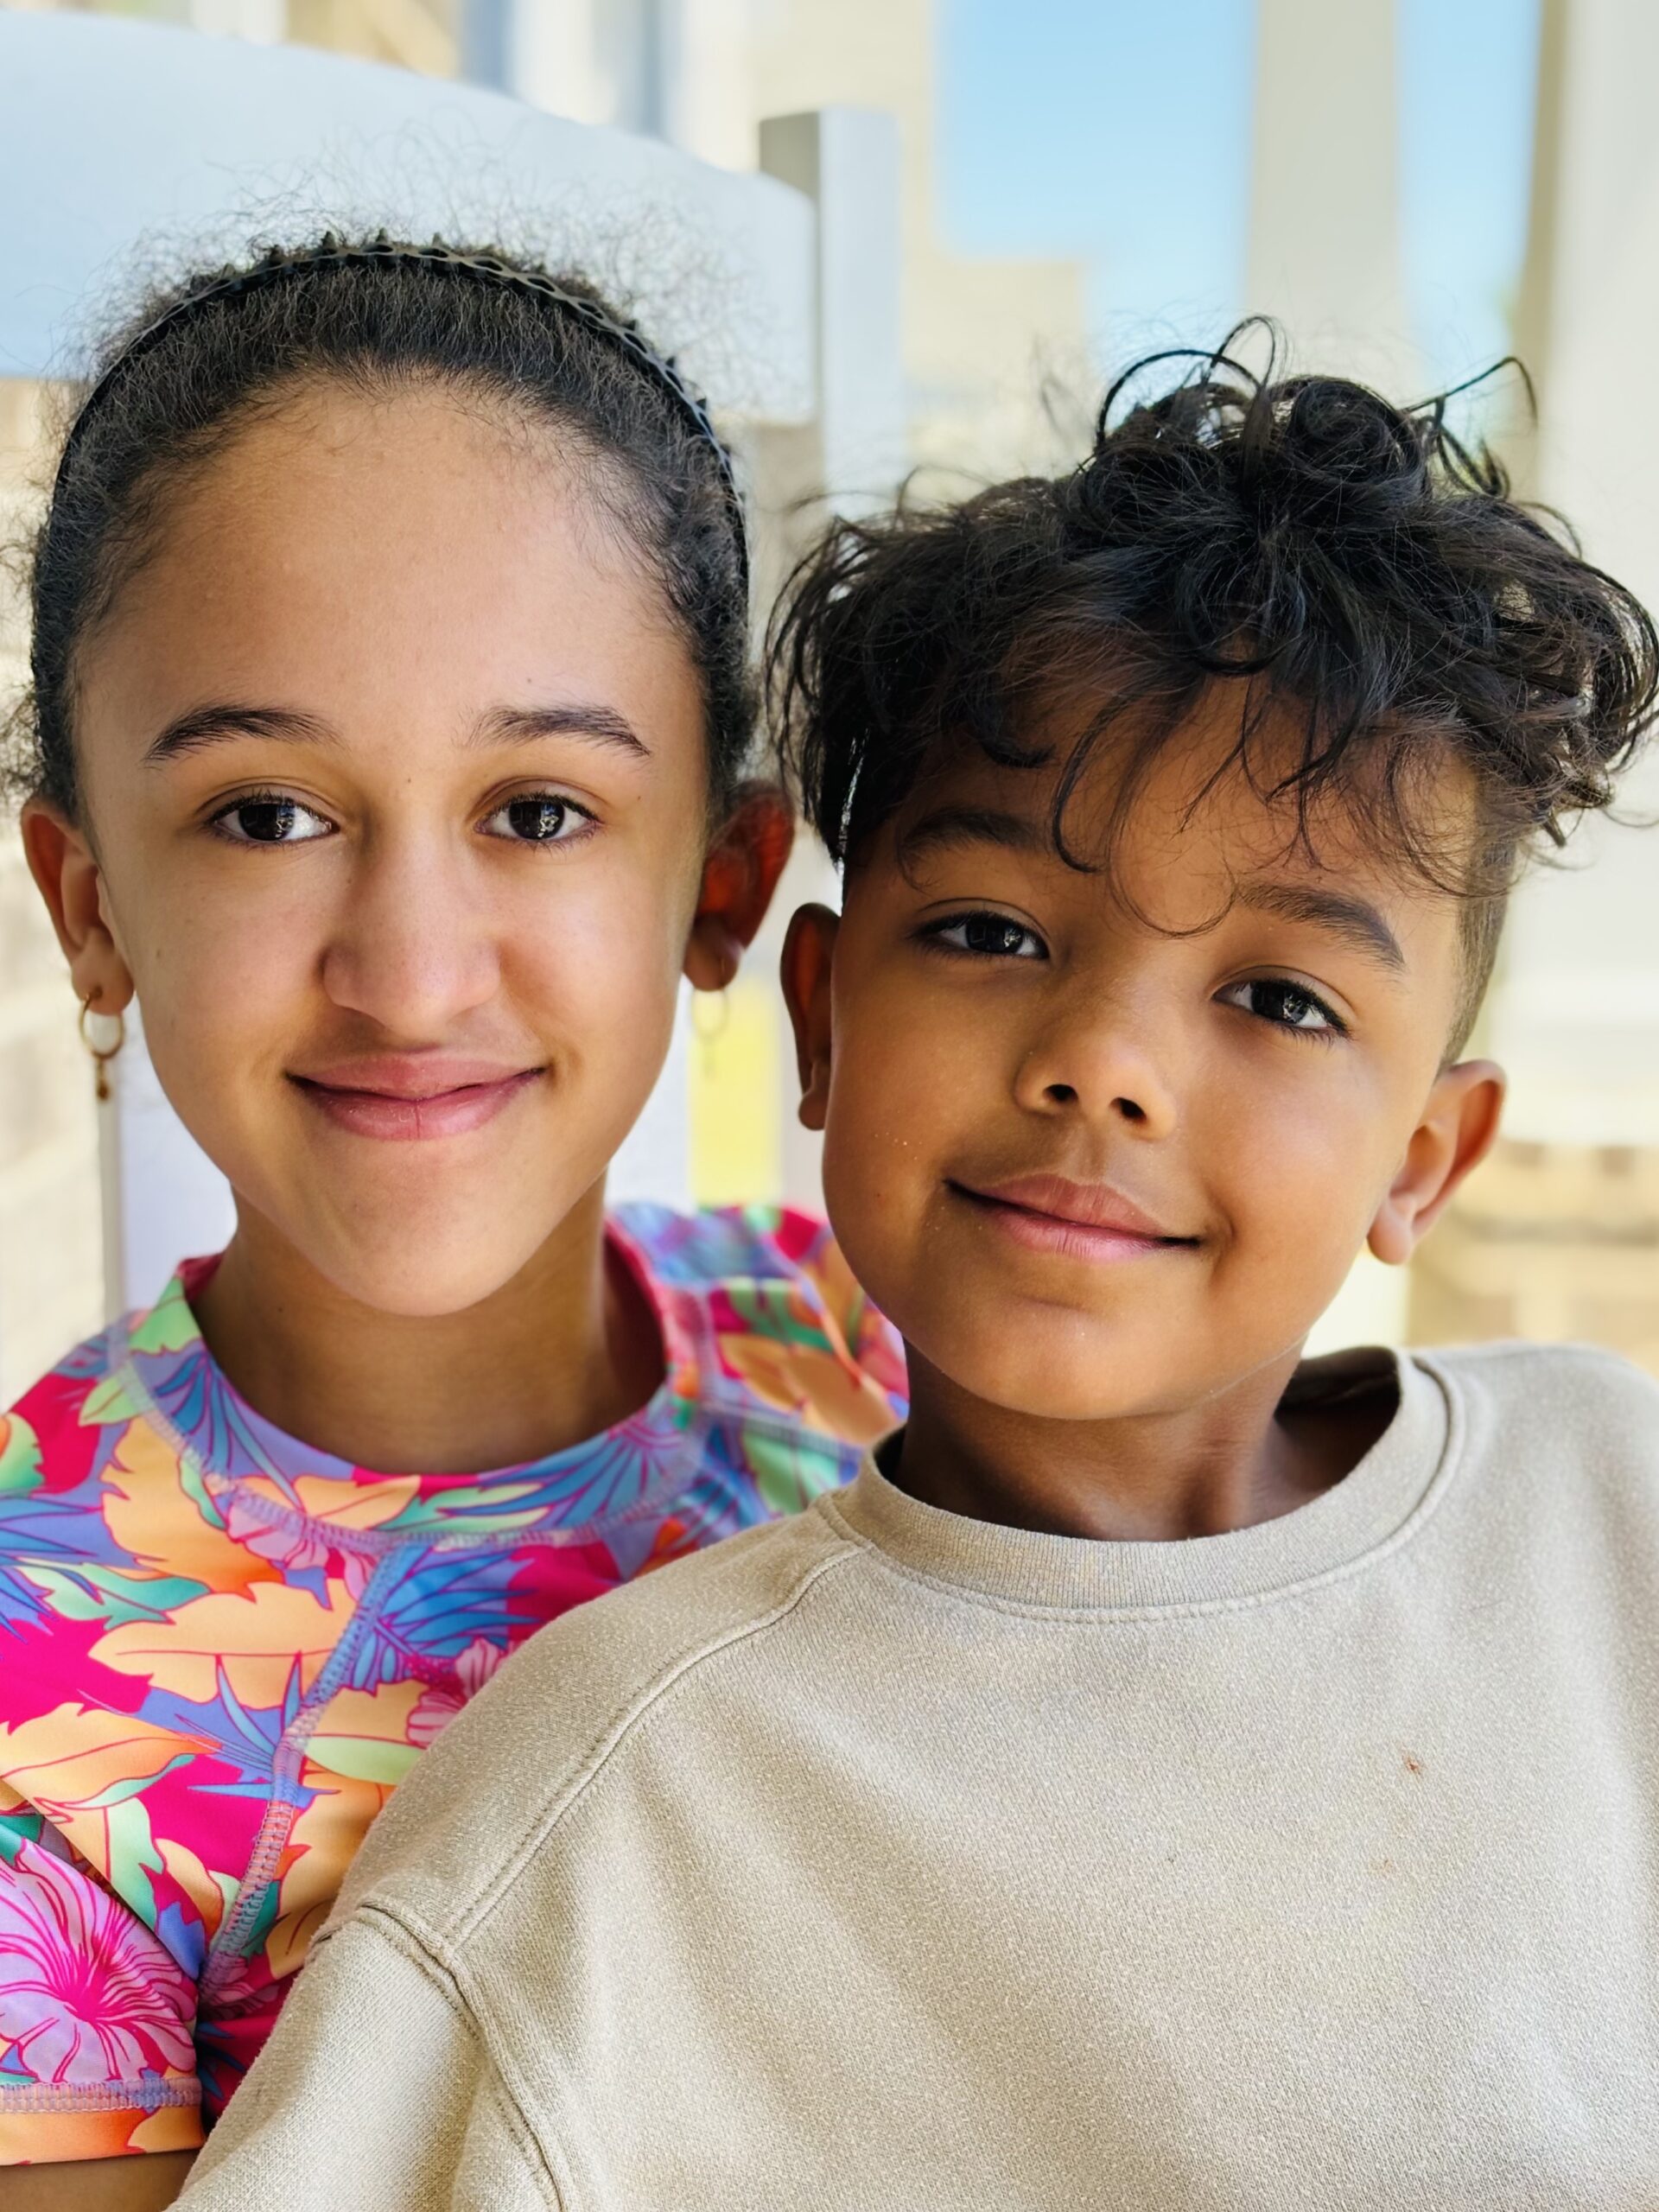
point(1118, 131)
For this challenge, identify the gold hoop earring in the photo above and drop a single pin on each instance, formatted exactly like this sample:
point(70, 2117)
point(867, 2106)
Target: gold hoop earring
point(102, 1054)
point(710, 1029)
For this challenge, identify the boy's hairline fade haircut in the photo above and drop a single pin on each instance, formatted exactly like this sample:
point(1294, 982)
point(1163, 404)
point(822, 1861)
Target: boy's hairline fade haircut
point(1364, 575)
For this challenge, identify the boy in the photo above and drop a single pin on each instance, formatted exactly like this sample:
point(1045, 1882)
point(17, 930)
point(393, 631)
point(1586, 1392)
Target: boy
point(1178, 1773)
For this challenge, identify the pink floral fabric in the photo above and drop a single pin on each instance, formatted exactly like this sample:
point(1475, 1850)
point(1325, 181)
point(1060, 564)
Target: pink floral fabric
point(220, 1650)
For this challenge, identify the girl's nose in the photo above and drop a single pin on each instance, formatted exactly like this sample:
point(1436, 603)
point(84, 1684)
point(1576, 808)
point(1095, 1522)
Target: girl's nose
point(1101, 1057)
point(413, 948)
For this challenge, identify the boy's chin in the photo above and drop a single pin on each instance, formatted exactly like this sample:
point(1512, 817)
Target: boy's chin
point(1059, 1369)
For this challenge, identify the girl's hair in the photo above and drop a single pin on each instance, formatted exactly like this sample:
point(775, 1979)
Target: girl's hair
point(1346, 562)
point(200, 361)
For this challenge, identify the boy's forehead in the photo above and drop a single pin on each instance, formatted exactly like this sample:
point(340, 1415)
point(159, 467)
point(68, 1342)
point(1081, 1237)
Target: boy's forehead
point(1179, 812)
point(1181, 832)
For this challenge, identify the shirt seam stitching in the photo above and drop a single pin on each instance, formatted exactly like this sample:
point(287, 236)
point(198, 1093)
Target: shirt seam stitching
point(606, 1741)
point(612, 1737)
point(126, 2095)
point(429, 1957)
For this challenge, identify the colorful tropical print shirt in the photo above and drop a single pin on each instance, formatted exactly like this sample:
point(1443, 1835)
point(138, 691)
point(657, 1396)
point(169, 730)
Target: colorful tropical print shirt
point(219, 1650)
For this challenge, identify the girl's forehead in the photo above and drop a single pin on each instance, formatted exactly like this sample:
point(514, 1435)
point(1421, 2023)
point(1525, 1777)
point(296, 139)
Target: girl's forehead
point(398, 566)
point(317, 455)
point(409, 514)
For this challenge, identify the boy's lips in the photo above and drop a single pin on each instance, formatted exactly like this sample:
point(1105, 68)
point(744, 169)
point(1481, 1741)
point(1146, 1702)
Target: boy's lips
point(403, 1097)
point(1051, 1213)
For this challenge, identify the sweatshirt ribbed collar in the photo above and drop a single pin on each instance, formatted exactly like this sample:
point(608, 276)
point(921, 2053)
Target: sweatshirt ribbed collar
point(1374, 1507)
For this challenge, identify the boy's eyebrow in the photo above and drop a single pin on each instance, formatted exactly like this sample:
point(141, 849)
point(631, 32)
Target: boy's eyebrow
point(1355, 920)
point(951, 826)
point(205, 726)
point(580, 718)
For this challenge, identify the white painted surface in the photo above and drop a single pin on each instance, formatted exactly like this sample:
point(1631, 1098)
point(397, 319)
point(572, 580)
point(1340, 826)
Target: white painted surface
point(846, 160)
point(164, 1200)
point(1576, 1013)
point(125, 146)
point(1325, 253)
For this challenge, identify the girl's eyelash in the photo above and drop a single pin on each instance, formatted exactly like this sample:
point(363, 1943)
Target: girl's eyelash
point(223, 812)
point(584, 817)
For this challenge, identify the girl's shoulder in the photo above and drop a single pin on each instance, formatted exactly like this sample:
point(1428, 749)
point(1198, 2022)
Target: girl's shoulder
point(782, 1323)
point(48, 1436)
point(721, 1243)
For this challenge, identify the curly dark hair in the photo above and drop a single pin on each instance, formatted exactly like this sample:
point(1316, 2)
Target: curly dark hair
point(1348, 560)
point(373, 314)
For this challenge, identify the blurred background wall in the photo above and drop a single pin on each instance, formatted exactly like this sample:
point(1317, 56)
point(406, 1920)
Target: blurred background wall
point(1413, 187)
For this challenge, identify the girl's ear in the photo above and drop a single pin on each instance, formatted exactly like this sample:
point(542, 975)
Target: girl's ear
point(1458, 1127)
point(808, 952)
point(739, 878)
point(61, 862)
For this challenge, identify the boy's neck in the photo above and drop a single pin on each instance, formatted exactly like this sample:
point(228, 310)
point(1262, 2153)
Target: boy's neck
point(1238, 1459)
point(565, 1350)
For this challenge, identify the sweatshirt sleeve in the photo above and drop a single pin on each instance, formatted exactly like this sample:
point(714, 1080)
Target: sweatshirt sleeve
point(375, 2091)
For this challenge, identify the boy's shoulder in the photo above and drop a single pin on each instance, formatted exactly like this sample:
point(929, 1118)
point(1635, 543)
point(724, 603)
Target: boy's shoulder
point(1560, 1423)
point(1578, 1384)
point(561, 1710)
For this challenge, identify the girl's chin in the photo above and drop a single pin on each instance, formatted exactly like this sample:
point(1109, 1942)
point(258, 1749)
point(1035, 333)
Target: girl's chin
point(419, 1269)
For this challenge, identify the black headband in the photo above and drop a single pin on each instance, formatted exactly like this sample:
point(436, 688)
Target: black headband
point(481, 268)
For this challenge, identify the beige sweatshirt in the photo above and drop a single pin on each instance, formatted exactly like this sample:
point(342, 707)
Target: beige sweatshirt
point(883, 1858)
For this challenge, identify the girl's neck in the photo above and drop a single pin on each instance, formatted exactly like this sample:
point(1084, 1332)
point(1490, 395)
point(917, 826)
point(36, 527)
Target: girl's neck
point(1242, 1459)
point(567, 1349)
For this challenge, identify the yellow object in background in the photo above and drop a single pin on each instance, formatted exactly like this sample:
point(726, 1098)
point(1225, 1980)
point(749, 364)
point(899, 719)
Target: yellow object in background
point(736, 1097)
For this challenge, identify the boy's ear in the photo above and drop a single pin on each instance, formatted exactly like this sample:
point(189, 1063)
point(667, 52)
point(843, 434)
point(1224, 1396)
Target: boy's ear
point(809, 951)
point(1458, 1127)
point(739, 878)
point(66, 873)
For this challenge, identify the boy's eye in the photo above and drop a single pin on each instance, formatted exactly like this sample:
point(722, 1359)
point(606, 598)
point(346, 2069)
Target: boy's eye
point(268, 818)
point(989, 936)
point(1287, 1005)
point(540, 818)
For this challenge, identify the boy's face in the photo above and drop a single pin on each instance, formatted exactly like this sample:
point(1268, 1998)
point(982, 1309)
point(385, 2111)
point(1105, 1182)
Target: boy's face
point(1101, 1156)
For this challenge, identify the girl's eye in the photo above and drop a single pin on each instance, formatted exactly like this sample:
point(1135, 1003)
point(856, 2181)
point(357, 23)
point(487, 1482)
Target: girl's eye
point(268, 818)
point(539, 819)
point(1285, 1004)
point(989, 936)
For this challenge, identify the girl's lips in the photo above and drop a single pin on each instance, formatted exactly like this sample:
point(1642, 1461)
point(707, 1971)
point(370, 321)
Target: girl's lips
point(404, 1116)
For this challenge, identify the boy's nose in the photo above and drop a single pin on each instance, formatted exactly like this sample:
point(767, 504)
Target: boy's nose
point(1098, 1061)
point(412, 948)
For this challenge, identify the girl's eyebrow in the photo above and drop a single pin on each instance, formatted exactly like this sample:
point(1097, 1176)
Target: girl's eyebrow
point(213, 724)
point(580, 718)
point(205, 726)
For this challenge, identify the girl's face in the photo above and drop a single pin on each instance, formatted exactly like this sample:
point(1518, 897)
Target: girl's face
point(395, 780)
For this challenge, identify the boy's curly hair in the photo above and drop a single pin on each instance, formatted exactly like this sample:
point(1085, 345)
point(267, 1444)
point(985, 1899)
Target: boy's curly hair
point(1329, 553)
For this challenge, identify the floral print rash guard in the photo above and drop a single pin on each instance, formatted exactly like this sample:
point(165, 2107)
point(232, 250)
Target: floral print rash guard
point(220, 1650)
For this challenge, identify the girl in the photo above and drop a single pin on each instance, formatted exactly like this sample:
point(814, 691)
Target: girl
point(387, 739)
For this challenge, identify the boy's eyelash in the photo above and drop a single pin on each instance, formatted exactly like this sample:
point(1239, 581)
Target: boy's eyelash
point(932, 935)
point(1335, 1028)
